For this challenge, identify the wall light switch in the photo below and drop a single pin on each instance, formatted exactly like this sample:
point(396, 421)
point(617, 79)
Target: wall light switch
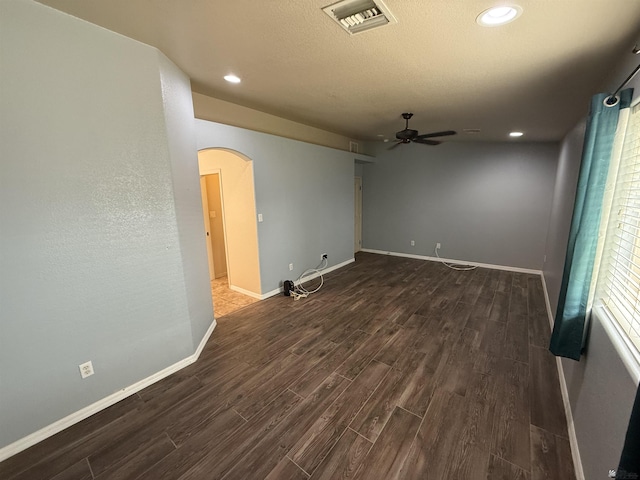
point(413, 243)
point(259, 217)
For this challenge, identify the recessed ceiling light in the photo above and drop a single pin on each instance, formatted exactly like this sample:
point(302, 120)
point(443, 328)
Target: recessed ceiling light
point(499, 15)
point(232, 78)
point(516, 134)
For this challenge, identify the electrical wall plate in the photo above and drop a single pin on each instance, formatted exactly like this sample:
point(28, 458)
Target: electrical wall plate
point(86, 369)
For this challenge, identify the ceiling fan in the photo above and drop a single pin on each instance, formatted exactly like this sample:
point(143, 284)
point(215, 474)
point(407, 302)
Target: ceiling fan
point(408, 135)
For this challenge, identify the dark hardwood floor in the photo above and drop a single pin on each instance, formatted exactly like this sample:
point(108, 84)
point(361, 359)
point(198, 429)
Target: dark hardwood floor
point(396, 369)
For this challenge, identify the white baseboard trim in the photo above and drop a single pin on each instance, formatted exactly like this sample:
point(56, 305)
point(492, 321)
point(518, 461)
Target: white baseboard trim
point(245, 292)
point(69, 420)
point(310, 277)
point(573, 439)
point(546, 301)
point(457, 262)
point(272, 293)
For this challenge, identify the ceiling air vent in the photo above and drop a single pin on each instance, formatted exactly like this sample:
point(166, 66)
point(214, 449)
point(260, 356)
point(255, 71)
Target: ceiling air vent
point(356, 16)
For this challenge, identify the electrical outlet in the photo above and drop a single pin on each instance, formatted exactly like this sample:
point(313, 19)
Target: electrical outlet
point(413, 243)
point(290, 266)
point(86, 369)
point(324, 256)
point(438, 246)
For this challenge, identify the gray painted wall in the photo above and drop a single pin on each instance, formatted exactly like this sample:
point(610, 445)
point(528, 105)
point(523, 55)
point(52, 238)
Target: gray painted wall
point(601, 390)
point(601, 394)
point(484, 202)
point(303, 191)
point(185, 179)
point(562, 210)
point(98, 208)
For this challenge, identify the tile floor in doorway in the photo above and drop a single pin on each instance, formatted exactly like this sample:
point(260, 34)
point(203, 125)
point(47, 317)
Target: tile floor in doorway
point(225, 300)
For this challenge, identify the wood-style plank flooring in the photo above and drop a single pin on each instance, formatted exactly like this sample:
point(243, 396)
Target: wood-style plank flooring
point(396, 369)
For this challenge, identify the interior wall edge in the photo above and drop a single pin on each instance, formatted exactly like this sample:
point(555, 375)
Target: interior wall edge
point(246, 292)
point(279, 290)
point(454, 261)
point(547, 302)
point(73, 418)
point(573, 438)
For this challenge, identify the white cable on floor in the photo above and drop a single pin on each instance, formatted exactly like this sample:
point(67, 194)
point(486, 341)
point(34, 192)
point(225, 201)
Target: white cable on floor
point(454, 267)
point(299, 291)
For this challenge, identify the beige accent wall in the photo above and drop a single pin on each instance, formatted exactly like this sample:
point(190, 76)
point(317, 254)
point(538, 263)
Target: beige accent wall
point(239, 204)
point(220, 111)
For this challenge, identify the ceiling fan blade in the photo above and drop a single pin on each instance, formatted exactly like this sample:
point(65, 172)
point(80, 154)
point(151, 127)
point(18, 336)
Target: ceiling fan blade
point(395, 145)
point(426, 141)
point(446, 133)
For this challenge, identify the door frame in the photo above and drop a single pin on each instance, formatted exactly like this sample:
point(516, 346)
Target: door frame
point(218, 171)
point(207, 227)
point(243, 249)
point(357, 240)
point(224, 218)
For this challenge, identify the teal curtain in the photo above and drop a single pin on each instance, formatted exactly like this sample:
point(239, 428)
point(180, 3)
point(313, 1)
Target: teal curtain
point(568, 329)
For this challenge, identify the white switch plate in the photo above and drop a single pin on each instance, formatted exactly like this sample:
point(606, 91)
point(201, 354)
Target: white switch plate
point(290, 266)
point(86, 369)
point(259, 217)
point(413, 243)
point(438, 246)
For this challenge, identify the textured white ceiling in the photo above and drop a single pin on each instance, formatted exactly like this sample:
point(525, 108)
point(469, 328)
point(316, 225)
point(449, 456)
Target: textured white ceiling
point(535, 74)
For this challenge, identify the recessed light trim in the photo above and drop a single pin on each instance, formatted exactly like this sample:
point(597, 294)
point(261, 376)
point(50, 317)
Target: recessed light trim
point(516, 134)
point(496, 16)
point(231, 78)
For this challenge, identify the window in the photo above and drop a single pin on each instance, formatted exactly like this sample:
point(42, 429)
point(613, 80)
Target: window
point(618, 283)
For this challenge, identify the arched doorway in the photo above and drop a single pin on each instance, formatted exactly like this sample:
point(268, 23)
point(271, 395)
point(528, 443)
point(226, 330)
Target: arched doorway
point(238, 284)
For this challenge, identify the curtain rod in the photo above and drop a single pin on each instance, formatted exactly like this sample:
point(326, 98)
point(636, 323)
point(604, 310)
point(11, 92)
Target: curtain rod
point(611, 99)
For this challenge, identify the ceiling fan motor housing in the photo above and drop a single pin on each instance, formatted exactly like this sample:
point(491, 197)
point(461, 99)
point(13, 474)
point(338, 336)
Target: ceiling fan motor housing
point(406, 134)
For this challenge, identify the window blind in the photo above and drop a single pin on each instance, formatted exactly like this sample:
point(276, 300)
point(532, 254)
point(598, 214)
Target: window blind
point(618, 285)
